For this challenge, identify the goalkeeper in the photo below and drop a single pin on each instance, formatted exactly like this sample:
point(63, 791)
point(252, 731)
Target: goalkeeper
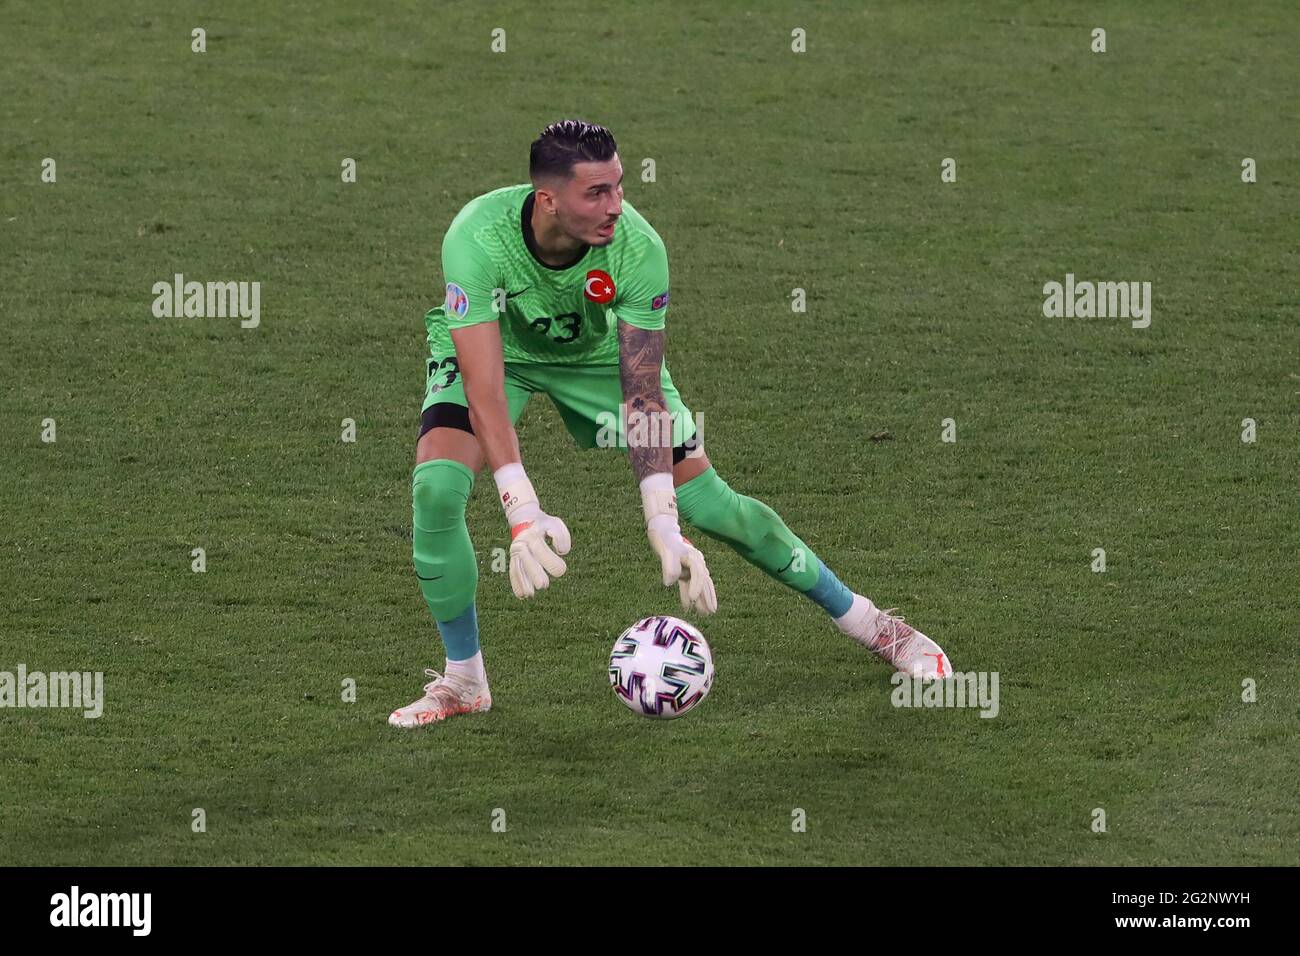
point(561, 287)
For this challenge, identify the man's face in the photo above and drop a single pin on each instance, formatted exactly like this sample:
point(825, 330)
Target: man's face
point(588, 205)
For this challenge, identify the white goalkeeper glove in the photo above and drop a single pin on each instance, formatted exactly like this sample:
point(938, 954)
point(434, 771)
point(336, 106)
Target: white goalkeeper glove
point(532, 561)
point(682, 562)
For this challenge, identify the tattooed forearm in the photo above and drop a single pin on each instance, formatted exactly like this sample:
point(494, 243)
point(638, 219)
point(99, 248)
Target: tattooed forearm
point(640, 356)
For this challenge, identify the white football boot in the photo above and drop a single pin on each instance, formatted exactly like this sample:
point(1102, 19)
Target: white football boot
point(444, 697)
point(893, 640)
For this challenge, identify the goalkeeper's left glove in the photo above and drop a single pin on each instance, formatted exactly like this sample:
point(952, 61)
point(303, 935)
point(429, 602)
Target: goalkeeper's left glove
point(681, 561)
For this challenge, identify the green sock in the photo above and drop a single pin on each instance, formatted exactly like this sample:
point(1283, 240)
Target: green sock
point(442, 552)
point(754, 530)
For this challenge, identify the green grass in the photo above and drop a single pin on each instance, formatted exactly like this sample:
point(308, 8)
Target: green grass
point(1119, 690)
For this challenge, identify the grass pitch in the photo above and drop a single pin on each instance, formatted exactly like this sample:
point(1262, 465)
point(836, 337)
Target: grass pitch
point(1119, 690)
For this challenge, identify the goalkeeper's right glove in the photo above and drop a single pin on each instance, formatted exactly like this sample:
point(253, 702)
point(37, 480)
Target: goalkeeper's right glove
point(532, 562)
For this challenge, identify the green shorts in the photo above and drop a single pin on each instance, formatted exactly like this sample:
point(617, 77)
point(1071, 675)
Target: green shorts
point(588, 398)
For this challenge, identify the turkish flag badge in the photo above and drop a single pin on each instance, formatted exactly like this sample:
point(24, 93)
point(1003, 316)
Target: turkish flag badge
point(599, 287)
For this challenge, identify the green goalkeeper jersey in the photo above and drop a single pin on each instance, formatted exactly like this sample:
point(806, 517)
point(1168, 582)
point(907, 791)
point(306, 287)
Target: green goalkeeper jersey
point(563, 315)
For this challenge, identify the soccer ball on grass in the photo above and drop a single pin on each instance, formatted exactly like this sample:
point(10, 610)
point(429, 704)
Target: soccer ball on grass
point(661, 667)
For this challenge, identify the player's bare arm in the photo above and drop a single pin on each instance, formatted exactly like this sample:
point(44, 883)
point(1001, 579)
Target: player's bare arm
point(537, 539)
point(482, 367)
point(640, 356)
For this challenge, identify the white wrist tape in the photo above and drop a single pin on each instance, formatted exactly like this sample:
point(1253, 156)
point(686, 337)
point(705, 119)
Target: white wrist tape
point(658, 498)
point(516, 494)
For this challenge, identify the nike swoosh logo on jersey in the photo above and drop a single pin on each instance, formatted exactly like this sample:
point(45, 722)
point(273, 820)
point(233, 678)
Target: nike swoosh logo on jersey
point(511, 295)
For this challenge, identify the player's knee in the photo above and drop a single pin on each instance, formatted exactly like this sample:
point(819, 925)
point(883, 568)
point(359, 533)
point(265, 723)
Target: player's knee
point(756, 523)
point(439, 494)
point(718, 510)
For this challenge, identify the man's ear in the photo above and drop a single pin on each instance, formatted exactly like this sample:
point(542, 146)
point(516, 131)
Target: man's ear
point(545, 191)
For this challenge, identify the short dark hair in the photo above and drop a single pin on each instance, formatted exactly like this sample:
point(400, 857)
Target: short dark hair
point(562, 144)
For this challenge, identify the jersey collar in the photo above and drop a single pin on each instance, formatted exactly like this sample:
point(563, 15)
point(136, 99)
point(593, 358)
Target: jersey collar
point(526, 225)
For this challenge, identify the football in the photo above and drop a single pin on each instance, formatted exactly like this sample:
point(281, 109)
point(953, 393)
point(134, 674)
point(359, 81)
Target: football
point(661, 667)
